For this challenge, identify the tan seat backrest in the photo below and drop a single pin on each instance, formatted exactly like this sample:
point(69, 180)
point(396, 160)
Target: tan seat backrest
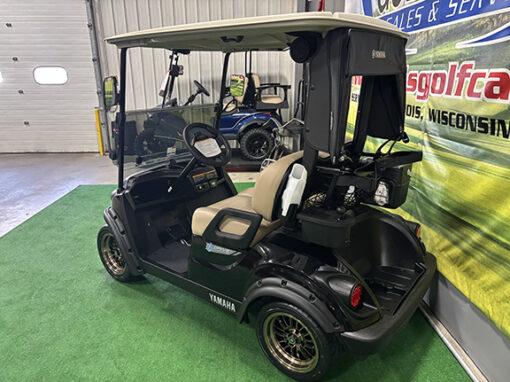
point(256, 80)
point(268, 182)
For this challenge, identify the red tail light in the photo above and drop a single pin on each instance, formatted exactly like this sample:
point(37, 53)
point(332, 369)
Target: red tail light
point(356, 294)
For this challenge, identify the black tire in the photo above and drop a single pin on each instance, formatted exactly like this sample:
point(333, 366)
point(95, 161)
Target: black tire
point(111, 256)
point(256, 144)
point(146, 143)
point(303, 352)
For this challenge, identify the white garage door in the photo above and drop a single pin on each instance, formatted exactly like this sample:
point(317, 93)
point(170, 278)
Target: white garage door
point(47, 85)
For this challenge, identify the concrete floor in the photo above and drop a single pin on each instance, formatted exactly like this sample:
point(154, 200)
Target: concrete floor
point(30, 182)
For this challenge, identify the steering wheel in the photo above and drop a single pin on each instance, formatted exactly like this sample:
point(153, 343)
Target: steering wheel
point(201, 88)
point(207, 144)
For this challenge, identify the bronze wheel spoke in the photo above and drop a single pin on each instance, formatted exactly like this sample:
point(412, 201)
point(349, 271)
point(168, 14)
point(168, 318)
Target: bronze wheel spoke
point(290, 342)
point(305, 352)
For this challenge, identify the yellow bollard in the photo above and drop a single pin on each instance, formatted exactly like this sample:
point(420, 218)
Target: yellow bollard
point(99, 132)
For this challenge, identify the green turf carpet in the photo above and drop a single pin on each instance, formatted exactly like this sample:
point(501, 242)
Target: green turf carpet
point(63, 318)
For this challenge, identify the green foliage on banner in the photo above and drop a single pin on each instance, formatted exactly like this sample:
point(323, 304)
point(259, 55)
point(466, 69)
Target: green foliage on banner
point(461, 189)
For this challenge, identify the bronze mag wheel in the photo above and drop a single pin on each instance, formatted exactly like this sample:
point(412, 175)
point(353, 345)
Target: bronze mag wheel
point(111, 255)
point(294, 342)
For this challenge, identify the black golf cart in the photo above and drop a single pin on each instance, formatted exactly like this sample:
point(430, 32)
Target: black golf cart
point(307, 252)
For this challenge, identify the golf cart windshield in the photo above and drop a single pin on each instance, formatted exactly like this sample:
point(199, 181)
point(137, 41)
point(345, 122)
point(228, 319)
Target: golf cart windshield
point(154, 136)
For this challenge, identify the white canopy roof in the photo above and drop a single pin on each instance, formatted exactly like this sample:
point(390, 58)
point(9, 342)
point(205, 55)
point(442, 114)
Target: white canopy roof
point(262, 33)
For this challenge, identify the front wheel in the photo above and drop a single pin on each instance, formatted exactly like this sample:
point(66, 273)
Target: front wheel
point(256, 144)
point(111, 256)
point(294, 342)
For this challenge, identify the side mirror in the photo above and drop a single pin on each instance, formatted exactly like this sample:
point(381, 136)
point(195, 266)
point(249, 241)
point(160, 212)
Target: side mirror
point(110, 91)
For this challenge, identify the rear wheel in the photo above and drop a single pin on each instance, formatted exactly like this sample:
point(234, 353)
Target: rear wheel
point(293, 342)
point(111, 256)
point(256, 144)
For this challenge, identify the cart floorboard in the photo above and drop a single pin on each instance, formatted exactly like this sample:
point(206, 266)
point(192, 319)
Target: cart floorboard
point(173, 256)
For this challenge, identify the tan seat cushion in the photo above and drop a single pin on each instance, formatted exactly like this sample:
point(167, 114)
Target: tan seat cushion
point(271, 98)
point(242, 201)
point(247, 191)
point(228, 106)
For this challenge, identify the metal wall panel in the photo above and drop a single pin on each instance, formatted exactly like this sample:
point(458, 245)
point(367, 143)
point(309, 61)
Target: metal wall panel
point(147, 67)
point(46, 117)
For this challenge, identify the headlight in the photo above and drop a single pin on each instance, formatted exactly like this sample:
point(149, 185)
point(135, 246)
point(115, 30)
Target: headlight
point(382, 194)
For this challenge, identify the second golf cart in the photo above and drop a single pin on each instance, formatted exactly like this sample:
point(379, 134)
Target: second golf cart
point(249, 115)
point(307, 251)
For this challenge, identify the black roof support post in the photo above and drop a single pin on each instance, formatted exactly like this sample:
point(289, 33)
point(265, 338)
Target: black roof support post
point(219, 107)
point(171, 85)
point(122, 120)
point(170, 88)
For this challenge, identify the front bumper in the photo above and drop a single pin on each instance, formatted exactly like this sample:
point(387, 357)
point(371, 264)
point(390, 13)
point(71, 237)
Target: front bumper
point(371, 338)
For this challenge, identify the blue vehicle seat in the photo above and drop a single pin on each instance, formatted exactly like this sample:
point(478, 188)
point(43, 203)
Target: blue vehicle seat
point(260, 199)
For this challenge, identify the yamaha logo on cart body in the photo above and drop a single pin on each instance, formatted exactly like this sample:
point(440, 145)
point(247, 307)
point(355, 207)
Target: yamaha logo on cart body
point(381, 54)
point(225, 304)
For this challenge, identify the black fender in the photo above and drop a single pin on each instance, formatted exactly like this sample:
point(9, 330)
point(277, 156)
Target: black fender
point(295, 294)
point(120, 234)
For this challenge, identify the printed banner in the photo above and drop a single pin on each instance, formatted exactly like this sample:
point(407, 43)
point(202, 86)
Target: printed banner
point(458, 114)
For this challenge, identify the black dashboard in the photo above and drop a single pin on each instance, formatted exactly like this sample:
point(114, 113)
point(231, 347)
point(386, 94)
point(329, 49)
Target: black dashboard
point(156, 186)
